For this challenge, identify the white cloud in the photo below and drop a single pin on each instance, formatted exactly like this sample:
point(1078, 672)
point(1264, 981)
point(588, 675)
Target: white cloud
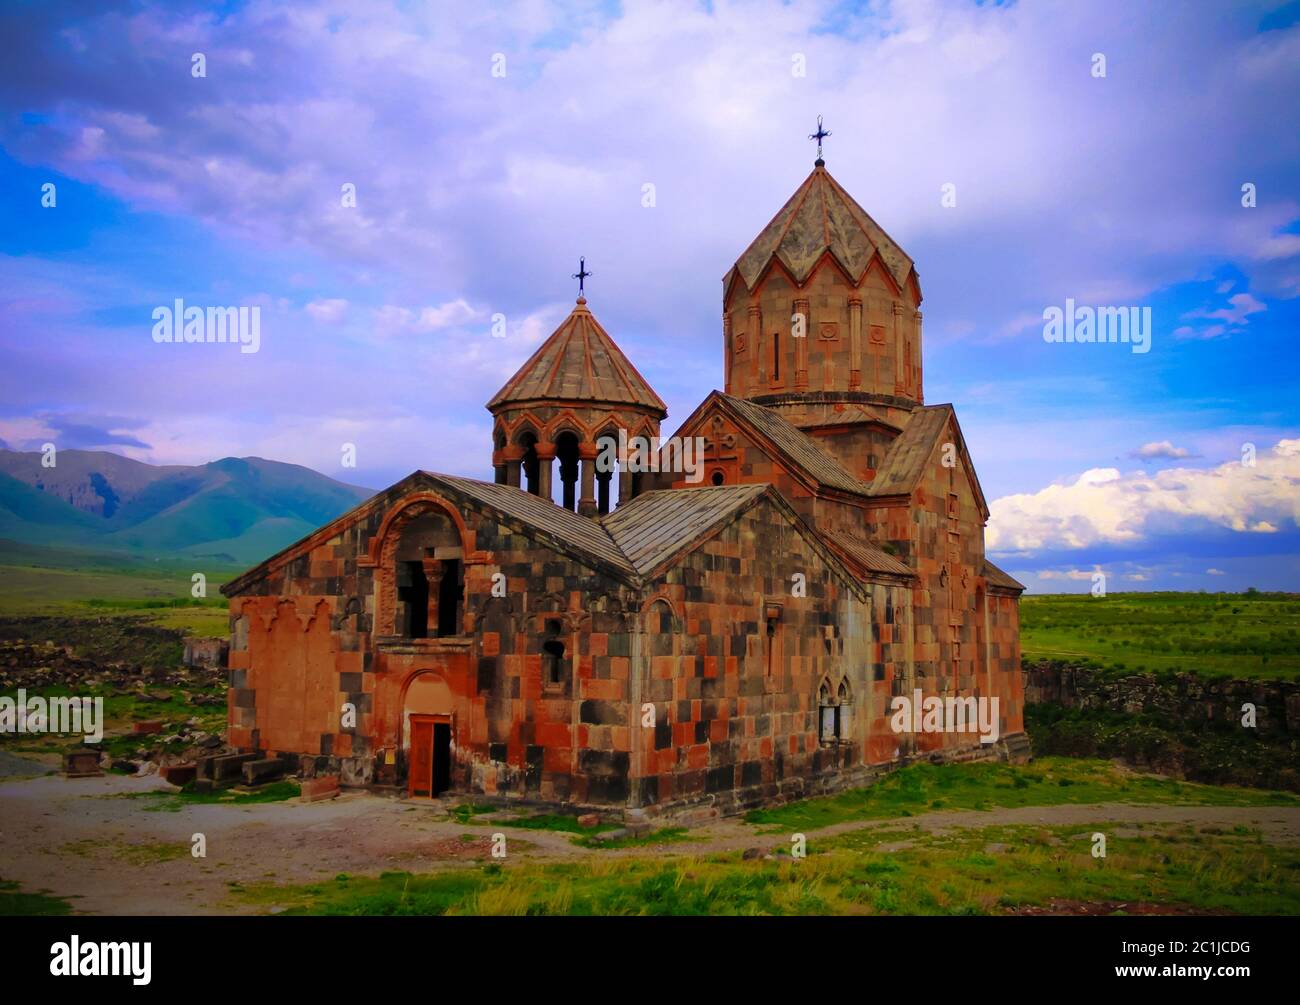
point(1215, 572)
point(1104, 506)
point(327, 311)
point(1150, 451)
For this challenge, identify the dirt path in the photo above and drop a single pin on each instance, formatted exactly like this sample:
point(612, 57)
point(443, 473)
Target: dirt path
point(83, 839)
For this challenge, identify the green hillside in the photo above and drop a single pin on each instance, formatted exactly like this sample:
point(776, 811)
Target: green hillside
point(236, 511)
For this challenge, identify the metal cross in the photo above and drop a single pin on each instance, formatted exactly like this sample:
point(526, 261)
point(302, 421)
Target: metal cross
point(581, 274)
point(820, 135)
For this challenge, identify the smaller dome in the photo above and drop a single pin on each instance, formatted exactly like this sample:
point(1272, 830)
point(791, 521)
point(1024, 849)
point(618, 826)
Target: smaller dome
point(579, 363)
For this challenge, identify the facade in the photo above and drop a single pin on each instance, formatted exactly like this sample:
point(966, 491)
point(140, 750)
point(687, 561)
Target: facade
point(656, 640)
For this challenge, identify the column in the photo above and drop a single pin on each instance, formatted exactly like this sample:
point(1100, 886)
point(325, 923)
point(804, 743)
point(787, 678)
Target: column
point(756, 343)
point(855, 343)
point(587, 501)
point(545, 456)
point(900, 378)
point(728, 351)
point(801, 344)
point(513, 455)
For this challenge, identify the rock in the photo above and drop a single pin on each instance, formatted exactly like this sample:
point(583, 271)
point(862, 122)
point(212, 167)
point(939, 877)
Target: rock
point(320, 787)
point(749, 854)
point(589, 820)
point(177, 774)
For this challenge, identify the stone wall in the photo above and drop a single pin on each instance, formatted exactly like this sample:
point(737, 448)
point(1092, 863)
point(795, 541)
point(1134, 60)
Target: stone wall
point(1183, 725)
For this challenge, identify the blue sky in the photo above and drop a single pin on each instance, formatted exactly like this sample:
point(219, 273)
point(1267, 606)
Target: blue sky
point(477, 192)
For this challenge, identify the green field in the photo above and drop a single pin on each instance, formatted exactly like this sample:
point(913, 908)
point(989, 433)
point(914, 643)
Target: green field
point(41, 581)
point(1214, 634)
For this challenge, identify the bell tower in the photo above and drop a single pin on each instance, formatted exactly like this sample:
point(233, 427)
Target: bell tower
point(821, 314)
point(574, 392)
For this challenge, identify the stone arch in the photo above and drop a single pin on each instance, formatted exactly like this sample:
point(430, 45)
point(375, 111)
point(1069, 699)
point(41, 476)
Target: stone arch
point(440, 526)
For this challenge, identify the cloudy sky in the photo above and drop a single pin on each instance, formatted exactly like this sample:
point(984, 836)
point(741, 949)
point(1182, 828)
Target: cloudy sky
point(1112, 153)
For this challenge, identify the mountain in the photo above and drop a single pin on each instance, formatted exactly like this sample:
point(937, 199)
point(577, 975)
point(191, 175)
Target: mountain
point(236, 510)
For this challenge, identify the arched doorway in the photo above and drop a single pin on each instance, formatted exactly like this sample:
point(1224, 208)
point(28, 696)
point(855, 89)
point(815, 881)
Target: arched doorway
point(427, 736)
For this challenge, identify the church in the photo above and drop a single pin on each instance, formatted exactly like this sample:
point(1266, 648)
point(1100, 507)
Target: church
point(662, 638)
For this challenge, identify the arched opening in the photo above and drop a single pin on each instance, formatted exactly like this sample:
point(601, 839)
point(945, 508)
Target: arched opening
point(499, 446)
point(606, 441)
point(566, 451)
point(427, 735)
point(429, 577)
point(718, 478)
point(529, 462)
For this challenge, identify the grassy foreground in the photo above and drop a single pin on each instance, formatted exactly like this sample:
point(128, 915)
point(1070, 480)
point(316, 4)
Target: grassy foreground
point(894, 868)
point(992, 870)
point(1215, 634)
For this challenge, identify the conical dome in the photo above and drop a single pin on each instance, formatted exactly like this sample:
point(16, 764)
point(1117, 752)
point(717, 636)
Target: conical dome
point(821, 216)
point(579, 363)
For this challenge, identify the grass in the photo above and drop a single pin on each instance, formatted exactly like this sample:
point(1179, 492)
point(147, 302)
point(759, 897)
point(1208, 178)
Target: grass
point(976, 871)
point(664, 835)
point(1046, 781)
point(164, 801)
point(162, 593)
point(15, 903)
point(1252, 635)
point(555, 822)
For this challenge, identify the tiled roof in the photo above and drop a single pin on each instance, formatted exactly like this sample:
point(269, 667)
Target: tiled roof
point(996, 577)
point(795, 443)
point(821, 216)
point(579, 362)
point(909, 453)
point(655, 526)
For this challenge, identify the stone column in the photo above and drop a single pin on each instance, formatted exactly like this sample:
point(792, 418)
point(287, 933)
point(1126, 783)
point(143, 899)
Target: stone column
point(855, 343)
point(756, 342)
point(545, 457)
point(728, 351)
point(801, 344)
point(514, 455)
point(624, 483)
point(900, 377)
point(587, 500)
point(916, 340)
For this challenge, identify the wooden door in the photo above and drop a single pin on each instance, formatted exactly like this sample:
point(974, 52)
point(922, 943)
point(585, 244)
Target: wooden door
point(419, 780)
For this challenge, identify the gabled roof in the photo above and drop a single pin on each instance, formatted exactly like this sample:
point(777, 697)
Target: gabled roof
point(910, 453)
point(996, 577)
point(820, 217)
point(795, 446)
point(568, 530)
point(565, 531)
point(656, 525)
point(579, 362)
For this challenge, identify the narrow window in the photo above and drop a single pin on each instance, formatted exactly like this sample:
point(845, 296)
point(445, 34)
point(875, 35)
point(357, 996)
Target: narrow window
point(776, 357)
point(451, 596)
point(844, 713)
point(413, 592)
point(775, 656)
point(553, 654)
point(827, 714)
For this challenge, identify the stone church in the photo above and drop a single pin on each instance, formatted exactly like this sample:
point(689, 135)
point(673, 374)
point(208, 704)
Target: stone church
point(650, 639)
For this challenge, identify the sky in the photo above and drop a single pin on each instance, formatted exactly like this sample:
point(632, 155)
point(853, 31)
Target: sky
point(1023, 154)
